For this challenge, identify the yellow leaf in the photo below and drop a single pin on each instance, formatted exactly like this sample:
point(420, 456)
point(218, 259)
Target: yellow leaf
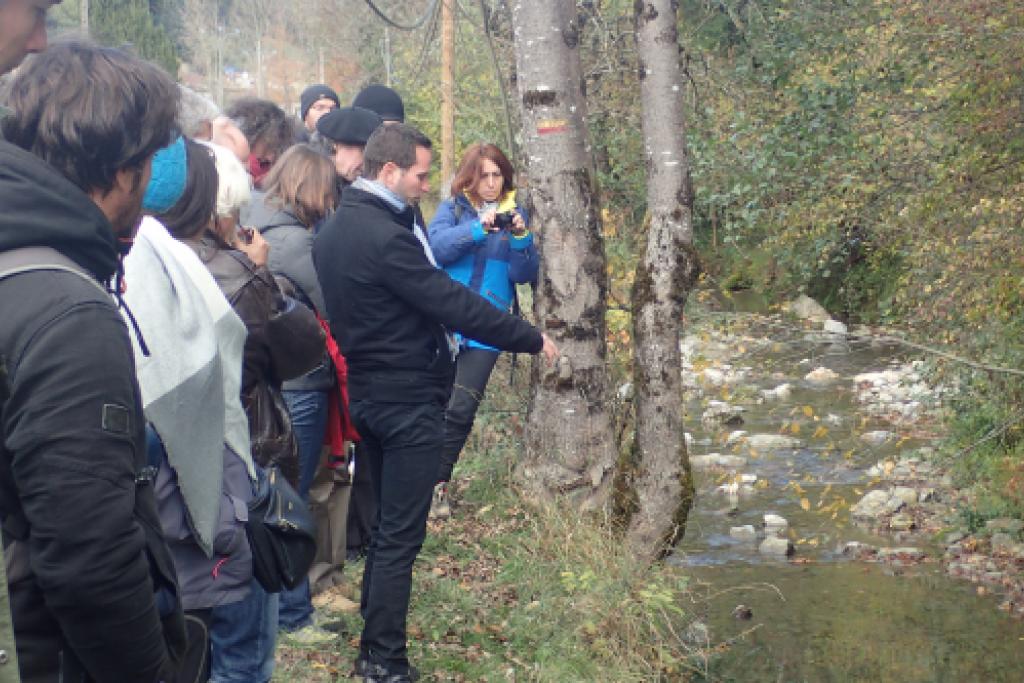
point(805, 504)
point(820, 432)
point(794, 428)
point(808, 411)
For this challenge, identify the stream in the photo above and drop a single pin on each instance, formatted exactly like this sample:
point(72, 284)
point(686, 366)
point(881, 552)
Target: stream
point(805, 453)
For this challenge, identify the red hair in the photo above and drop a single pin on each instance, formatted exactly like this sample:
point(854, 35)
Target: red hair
point(469, 170)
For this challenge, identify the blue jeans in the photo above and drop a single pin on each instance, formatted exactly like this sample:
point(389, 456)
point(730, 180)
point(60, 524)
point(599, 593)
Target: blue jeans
point(308, 410)
point(242, 638)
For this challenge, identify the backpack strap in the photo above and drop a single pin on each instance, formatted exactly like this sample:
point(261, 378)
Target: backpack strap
point(33, 259)
point(16, 262)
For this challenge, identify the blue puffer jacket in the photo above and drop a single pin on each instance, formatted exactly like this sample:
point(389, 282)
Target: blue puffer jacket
point(490, 264)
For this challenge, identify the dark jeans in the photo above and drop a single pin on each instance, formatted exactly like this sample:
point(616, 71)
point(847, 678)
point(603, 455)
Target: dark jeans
point(402, 445)
point(472, 370)
point(308, 410)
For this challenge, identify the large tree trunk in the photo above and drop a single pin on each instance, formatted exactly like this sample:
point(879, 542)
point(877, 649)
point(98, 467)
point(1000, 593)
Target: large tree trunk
point(570, 444)
point(661, 483)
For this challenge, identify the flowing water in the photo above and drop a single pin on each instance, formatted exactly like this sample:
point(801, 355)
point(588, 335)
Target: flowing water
point(819, 616)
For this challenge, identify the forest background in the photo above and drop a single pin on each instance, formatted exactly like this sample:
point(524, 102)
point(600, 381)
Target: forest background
point(869, 153)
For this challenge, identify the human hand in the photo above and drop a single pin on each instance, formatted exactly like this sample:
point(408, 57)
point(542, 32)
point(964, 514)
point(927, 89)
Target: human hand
point(487, 220)
point(550, 350)
point(257, 250)
point(518, 224)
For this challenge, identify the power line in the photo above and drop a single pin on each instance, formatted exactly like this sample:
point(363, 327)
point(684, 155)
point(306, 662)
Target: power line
point(403, 27)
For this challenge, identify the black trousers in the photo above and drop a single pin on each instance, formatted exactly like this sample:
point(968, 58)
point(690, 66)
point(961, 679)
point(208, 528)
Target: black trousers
point(402, 445)
point(472, 371)
point(362, 506)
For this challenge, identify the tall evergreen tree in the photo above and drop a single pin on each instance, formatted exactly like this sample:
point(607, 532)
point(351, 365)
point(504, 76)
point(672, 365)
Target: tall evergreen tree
point(120, 22)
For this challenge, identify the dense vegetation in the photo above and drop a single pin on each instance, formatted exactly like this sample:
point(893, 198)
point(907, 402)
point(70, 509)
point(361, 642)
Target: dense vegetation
point(867, 152)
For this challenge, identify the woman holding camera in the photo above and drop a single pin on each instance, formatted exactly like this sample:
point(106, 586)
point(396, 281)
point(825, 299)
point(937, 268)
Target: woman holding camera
point(480, 237)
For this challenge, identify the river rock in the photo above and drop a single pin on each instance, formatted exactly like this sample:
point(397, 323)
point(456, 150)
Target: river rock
point(625, 392)
point(688, 438)
point(908, 495)
point(722, 412)
point(770, 441)
point(1007, 525)
point(836, 329)
point(856, 549)
point(906, 554)
point(735, 437)
point(821, 375)
point(775, 525)
point(779, 393)
point(901, 522)
point(926, 495)
point(877, 437)
point(807, 308)
point(743, 533)
point(776, 547)
point(716, 460)
point(876, 503)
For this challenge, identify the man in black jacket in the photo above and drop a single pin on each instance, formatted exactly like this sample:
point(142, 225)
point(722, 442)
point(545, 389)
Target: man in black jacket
point(389, 309)
point(88, 566)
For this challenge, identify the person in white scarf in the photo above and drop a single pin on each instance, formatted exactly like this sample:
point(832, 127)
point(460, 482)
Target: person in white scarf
point(188, 354)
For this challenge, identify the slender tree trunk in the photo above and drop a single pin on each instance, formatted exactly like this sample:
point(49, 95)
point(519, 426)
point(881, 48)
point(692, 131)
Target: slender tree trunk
point(447, 95)
point(668, 267)
point(570, 440)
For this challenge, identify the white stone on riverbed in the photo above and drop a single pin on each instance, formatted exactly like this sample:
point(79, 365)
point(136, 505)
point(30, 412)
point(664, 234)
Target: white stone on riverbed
point(876, 438)
point(777, 547)
point(905, 493)
point(775, 525)
point(735, 437)
point(779, 393)
point(821, 375)
point(875, 504)
point(807, 308)
point(770, 441)
point(716, 460)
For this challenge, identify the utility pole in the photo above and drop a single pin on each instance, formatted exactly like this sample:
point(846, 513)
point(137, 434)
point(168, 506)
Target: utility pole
point(447, 95)
point(84, 16)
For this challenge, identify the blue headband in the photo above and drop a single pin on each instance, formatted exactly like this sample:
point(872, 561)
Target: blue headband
point(170, 173)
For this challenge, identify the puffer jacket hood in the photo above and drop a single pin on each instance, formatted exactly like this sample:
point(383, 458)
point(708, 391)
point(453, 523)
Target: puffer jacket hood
point(41, 208)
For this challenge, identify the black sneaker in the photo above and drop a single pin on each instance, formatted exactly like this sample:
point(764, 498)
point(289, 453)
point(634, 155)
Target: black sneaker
point(375, 673)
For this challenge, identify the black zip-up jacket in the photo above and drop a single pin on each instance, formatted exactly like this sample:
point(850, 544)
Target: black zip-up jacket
point(387, 304)
point(80, 536)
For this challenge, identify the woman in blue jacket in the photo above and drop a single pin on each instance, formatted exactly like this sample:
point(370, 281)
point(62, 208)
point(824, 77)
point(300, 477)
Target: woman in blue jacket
point(480, 237)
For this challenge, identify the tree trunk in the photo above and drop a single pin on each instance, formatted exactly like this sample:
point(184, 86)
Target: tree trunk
point(571, 448)
point(667, 270)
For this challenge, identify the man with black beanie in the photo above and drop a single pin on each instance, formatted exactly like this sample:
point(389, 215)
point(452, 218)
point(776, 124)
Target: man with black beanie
point(315, 102)
point(389, 308)
point(383, 100)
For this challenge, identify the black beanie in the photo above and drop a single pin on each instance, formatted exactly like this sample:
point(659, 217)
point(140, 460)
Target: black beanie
point(348, 125)
point(313, 93)
point(383, 100)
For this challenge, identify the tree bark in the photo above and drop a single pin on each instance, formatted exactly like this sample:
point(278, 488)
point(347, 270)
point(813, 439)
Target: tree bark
point(662, 484)
point(570, 445)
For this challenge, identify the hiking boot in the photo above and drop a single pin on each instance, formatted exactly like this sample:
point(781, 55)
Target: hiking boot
point(375, 673)
point(440, 506)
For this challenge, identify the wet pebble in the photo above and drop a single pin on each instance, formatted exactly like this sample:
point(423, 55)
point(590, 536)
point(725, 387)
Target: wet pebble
point(778, 547)
point(743, 533)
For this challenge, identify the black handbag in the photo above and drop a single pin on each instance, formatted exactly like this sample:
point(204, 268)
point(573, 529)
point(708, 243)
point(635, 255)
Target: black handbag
point(282, 534)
